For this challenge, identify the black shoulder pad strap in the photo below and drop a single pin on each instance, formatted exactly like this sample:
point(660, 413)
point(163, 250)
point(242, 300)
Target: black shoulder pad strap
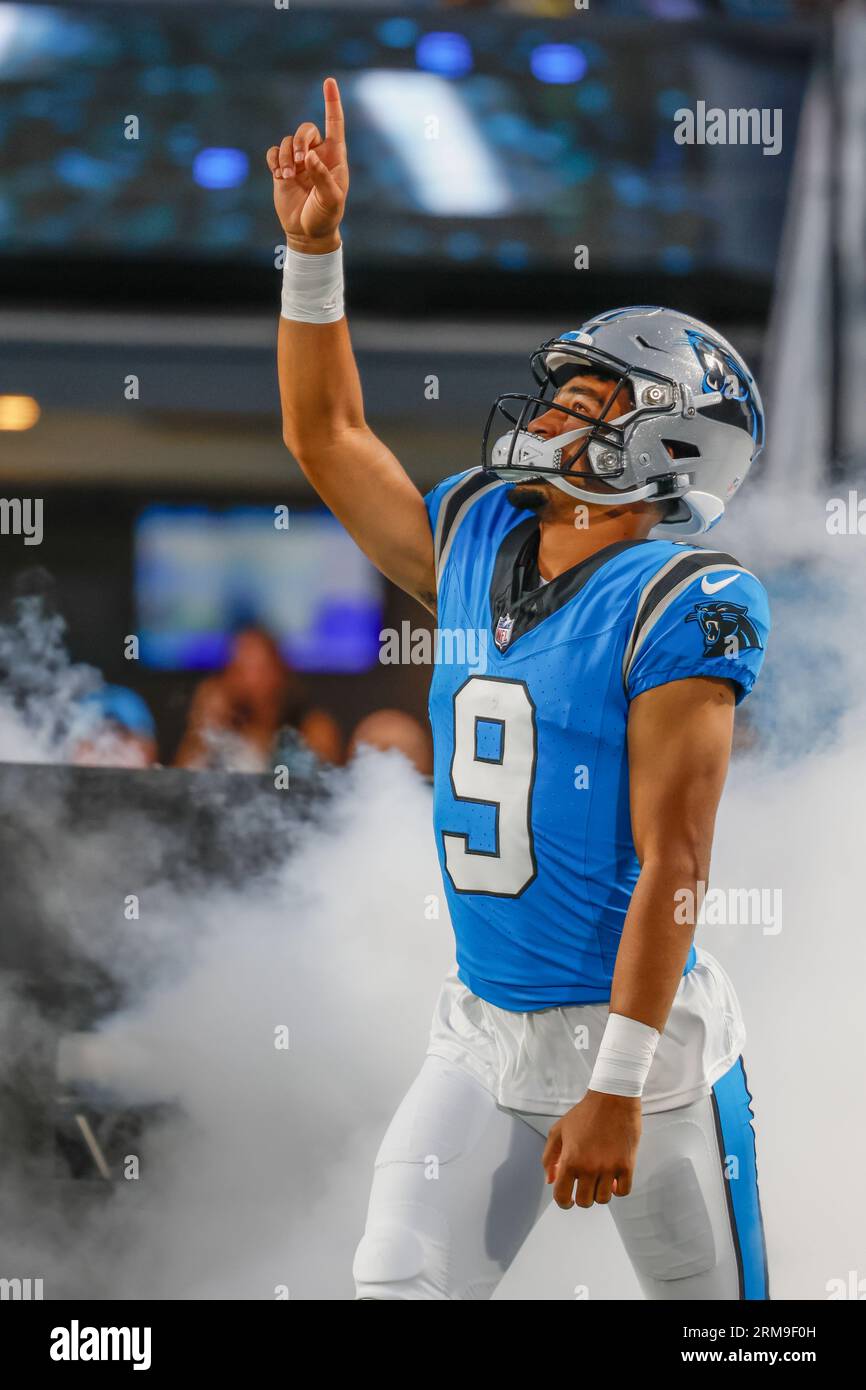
point(453, 508)
point(664, 587)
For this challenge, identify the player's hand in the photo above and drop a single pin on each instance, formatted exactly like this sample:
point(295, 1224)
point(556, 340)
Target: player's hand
point(311, 179)
point(594, 1146)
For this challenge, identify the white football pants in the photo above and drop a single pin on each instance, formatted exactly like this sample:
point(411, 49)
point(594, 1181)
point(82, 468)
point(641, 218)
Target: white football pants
point(458, 1185)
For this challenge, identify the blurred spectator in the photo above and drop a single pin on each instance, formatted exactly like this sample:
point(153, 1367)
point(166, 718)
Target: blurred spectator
point(391, 728)
point(235, 717)
point(120, 730)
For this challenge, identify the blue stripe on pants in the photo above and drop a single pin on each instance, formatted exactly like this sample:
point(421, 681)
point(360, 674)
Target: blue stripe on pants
point(733, 1112)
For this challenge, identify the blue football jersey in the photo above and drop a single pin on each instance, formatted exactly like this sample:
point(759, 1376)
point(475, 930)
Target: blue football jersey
point(529, 706)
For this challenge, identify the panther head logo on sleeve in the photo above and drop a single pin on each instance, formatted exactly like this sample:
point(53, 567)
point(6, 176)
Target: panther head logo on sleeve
point(726, 628)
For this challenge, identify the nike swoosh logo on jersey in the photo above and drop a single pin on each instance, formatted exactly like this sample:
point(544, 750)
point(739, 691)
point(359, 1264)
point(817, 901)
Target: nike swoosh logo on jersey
point(710, 588)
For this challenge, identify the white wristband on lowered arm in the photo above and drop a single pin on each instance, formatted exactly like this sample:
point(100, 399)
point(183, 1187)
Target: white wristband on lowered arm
point(313, 287)
point(624, 1057)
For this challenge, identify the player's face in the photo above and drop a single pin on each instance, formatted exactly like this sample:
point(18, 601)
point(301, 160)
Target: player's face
point(592, 395)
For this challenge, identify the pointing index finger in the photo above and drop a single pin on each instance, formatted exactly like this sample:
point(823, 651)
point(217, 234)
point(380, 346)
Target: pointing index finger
point(334, 126)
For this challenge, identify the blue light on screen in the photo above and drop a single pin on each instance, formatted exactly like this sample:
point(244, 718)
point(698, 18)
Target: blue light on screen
point(463, 246)
point(580, 165)
point(677, 260)
point(397, 32)
point(158, 81)
point(557, 62)
point(37, 103)
point(81, 170)
point(220, 167)
point(594, 98)
point(200, 80)
point(449, 55)
point(512, 255)
point(670, 100)
point(630, 187)
point(354, 53)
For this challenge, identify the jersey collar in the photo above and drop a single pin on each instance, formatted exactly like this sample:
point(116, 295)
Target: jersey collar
point(519, 601)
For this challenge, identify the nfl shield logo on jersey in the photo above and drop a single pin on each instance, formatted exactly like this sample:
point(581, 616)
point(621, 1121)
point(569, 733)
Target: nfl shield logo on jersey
point(502, 635)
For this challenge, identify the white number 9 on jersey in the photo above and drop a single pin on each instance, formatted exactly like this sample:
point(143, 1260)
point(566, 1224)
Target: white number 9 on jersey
point(494, 765)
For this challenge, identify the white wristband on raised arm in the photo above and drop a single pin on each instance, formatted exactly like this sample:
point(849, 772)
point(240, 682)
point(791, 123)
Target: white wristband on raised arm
point(624, 1057)
point(313, 287)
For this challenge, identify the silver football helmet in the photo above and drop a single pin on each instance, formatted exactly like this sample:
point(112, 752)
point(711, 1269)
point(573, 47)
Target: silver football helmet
point(694, 427)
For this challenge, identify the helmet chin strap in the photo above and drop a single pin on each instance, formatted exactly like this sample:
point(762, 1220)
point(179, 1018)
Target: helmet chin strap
point(613, 499)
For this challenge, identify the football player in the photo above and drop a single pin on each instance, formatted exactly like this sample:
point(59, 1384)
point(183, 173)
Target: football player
point(582, 1037)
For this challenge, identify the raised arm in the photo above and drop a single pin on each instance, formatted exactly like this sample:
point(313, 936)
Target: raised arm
point(354, 473)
